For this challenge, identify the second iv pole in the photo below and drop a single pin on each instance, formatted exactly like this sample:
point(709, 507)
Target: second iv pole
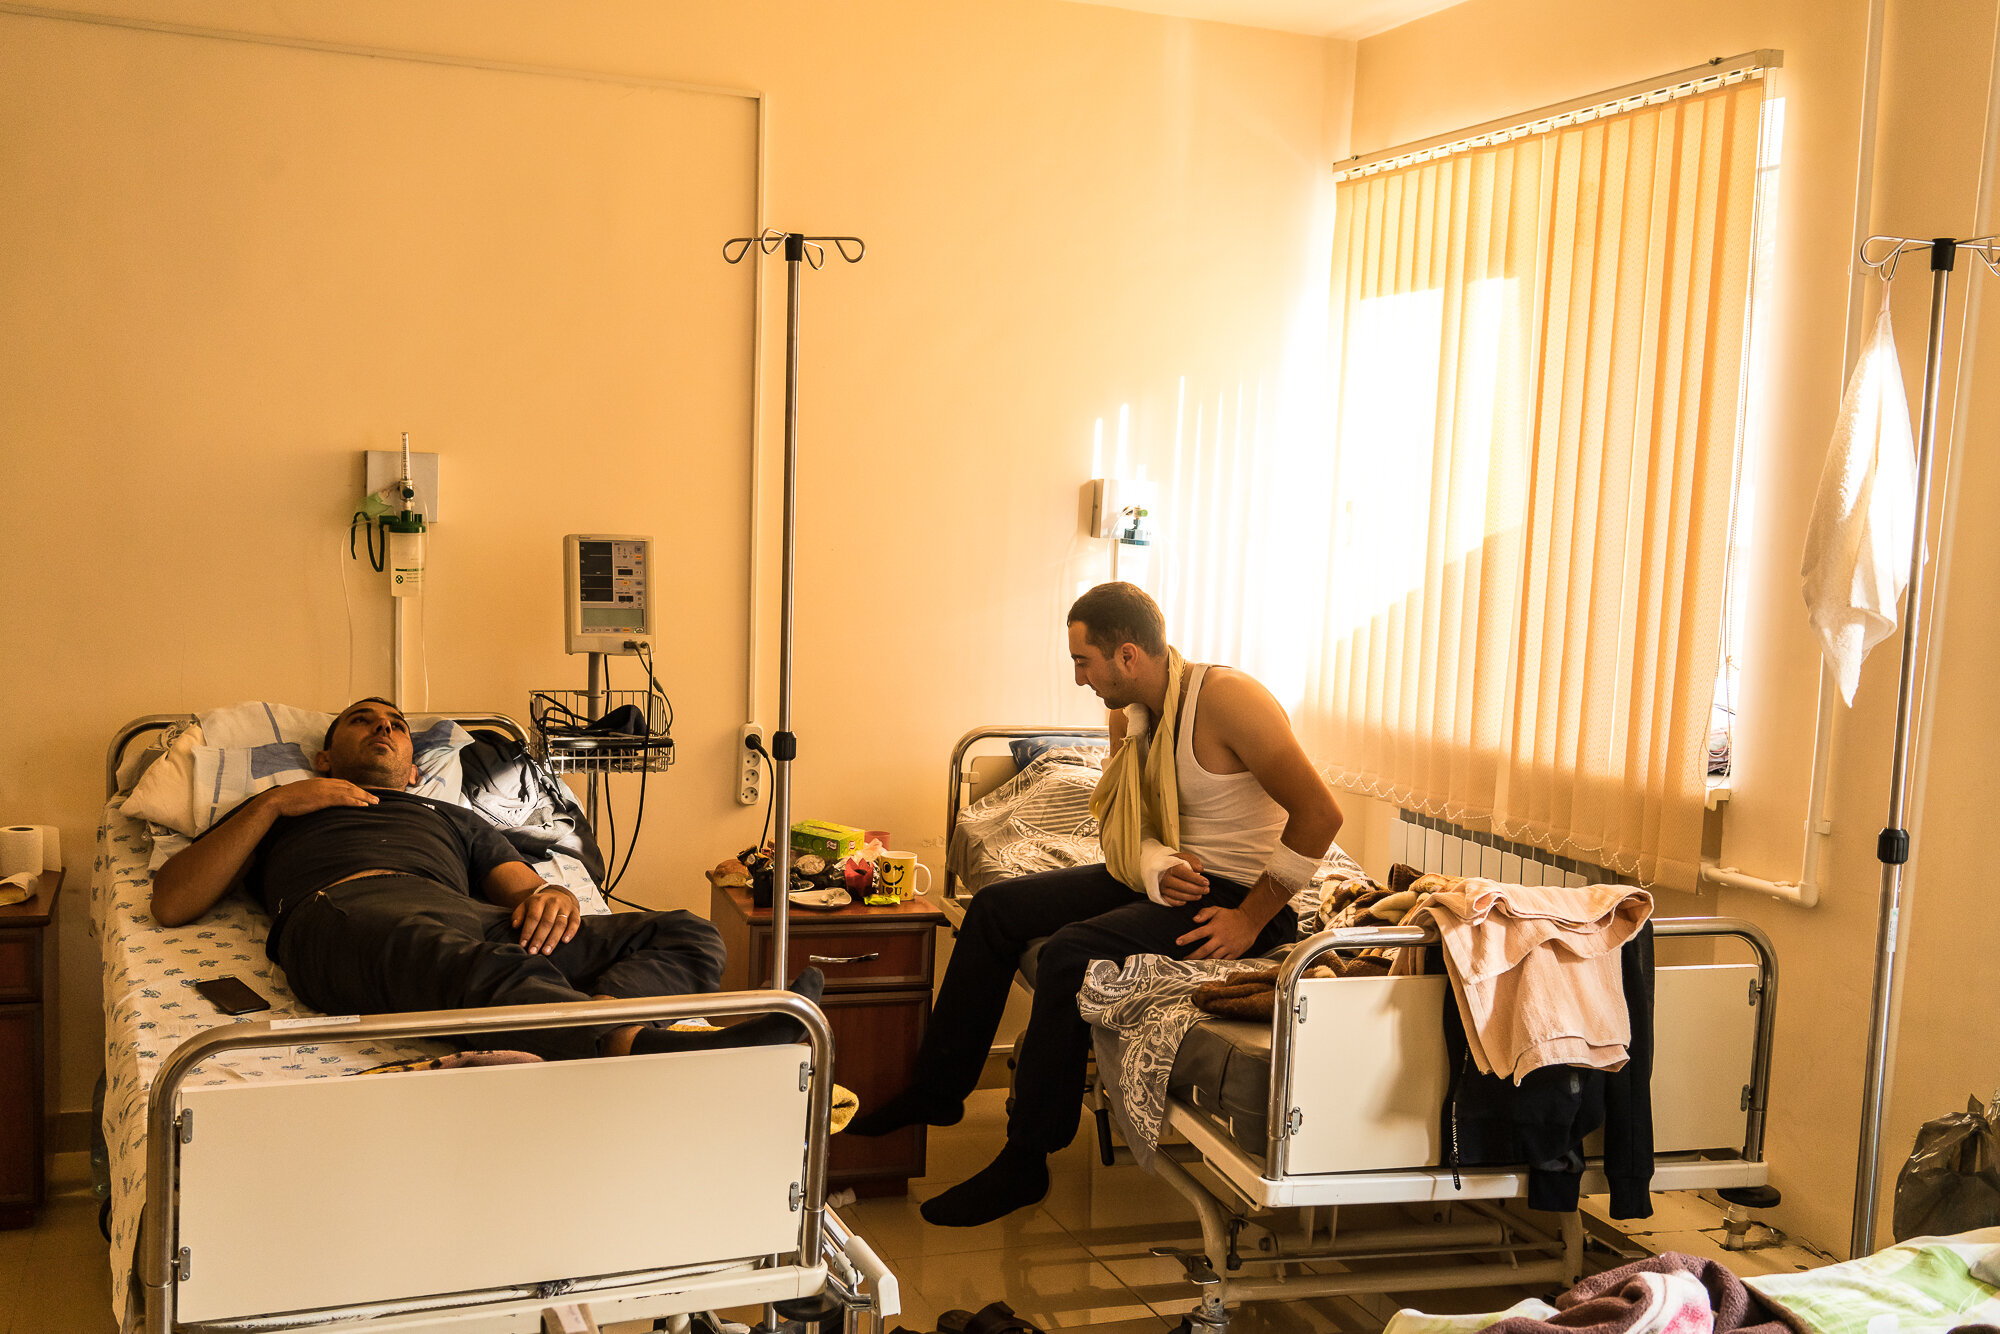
point(799, 250)
point(1893, 845)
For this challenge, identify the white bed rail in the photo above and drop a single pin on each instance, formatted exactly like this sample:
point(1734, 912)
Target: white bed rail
point(1309, 951)
point(160, 1254)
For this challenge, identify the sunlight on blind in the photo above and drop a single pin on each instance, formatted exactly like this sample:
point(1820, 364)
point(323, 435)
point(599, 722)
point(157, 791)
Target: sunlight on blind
point(1539, 349)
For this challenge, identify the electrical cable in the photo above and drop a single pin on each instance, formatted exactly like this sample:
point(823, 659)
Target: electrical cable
point(378, 561)
point(347, 601)
point(770, 787)
point(610, 815)
point(645, 655)
point(424, 645)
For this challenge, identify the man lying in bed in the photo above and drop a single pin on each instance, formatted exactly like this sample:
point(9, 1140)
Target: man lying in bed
point(1206, 838)
point(383, 901)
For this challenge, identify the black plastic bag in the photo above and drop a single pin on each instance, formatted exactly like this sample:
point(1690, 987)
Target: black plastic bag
point(1952, 1181)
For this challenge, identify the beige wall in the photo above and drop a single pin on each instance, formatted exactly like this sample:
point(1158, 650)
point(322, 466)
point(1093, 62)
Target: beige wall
point(1490, 58)
point(1067, 208)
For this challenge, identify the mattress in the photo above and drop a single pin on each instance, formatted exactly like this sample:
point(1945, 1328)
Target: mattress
point(150, 1008)
point(1223, 1068)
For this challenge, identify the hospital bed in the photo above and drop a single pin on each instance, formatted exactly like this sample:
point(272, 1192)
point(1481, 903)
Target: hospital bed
point(1271, 1129)
point(1925, 1285)
point(277, 1192)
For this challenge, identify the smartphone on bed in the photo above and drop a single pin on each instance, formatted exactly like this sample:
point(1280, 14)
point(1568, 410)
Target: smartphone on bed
point(231, 995)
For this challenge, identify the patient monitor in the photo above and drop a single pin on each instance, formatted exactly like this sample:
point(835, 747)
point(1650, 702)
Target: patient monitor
point(608, 587)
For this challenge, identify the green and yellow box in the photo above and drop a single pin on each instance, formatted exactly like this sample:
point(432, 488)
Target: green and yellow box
point(825, 839)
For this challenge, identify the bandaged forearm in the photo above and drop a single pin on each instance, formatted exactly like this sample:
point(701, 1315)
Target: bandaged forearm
point(1155, 860)
point(1290, 871)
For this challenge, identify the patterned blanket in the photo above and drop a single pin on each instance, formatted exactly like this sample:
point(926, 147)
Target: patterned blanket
point(1141, 1011)
point(1927, 1285)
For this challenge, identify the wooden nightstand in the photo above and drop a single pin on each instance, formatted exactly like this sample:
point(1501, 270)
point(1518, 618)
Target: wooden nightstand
point(27, 1031)
point(879, 965)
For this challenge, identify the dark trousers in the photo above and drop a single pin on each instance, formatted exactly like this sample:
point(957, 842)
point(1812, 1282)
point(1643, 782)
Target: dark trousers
point(388, 943)
point(1086, 914)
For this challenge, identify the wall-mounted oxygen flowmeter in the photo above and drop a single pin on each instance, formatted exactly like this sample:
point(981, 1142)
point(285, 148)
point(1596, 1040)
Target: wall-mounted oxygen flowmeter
point(608, 584)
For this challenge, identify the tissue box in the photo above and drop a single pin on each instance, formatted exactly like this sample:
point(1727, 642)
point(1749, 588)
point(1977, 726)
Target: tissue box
point(825, 839)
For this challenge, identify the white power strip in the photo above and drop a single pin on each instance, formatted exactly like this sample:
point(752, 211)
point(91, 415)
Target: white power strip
point(749, 765)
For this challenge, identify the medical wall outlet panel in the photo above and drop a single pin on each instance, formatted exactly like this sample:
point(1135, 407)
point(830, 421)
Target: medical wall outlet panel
point(384, 475)
point(1106, 500)
point(607, 584)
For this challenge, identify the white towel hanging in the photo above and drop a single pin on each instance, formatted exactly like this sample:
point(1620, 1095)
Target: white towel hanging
point(1857, 557)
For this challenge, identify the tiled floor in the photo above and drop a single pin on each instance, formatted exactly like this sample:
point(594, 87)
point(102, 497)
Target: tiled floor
point(1079, 1259)
point(55, 1277)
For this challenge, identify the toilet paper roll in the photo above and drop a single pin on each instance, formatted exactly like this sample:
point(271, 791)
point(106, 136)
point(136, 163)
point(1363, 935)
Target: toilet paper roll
point(51, 847)
point(20, 849)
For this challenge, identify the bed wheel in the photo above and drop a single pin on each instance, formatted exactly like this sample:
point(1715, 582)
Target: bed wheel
point(818, 1311)
point(104, 1218)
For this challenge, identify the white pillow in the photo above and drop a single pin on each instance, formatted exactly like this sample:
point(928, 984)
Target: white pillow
point(165, 792)
point(254, 747)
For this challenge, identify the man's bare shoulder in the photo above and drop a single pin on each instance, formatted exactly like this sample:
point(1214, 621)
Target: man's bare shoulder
point(1235, 689)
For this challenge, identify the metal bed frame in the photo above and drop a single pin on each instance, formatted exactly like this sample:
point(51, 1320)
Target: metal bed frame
point(833, 1269)
point(1249, 1188)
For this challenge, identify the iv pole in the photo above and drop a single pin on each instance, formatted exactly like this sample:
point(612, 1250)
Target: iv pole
point(1892, 847)
point(799, 249)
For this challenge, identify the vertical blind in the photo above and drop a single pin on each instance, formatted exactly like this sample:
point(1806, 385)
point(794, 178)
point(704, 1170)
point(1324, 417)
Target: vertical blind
point(1539, 351)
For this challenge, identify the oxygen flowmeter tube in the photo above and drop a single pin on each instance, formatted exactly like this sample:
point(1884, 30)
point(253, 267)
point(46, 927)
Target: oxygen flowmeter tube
point(404, 534)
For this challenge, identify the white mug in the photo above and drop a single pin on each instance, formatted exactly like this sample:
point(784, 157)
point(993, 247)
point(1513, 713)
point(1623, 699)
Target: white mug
point(896, 873)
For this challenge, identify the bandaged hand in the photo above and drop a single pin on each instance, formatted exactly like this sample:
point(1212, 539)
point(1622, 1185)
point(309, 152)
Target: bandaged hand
point(547, 918)
point(1172, 878)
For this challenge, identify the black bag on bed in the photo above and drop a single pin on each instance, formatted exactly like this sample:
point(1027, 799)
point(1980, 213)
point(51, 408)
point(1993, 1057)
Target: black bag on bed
point(533, 808)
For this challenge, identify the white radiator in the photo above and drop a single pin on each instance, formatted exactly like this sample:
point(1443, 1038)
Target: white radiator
point(1433, 845)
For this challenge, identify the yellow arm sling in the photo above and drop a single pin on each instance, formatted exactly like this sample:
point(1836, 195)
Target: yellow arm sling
point(1139, 792)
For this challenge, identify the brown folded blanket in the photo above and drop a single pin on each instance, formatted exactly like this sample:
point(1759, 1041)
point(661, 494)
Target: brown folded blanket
point(1253, 992)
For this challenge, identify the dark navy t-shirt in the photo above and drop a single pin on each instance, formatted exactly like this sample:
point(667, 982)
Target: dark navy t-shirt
point(303, 854)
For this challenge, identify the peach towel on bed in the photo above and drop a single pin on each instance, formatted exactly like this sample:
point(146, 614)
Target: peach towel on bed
point(1535, 971)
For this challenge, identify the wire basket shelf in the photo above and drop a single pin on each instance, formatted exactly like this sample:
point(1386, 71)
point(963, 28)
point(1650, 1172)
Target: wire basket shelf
point(568, 742)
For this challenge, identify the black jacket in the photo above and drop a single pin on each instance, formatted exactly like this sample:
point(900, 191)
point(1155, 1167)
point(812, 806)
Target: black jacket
point(1488, 1121)
point(531, 807)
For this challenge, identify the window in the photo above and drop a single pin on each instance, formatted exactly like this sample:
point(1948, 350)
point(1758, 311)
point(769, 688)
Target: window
point(1538, 341)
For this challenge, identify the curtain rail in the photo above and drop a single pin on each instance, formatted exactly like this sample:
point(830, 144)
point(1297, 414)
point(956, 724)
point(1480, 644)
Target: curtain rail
point(1680, 83)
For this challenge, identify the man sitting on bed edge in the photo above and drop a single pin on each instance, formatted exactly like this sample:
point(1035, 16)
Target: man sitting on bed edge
point(382, 901)
point(1206, 838)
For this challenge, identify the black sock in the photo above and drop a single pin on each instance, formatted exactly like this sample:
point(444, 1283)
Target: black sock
point(1016, 1179)
point(766, 1030)
point(913, 1106)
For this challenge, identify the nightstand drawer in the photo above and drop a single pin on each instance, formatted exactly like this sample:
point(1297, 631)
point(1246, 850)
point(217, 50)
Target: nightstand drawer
point(854, 958)
point(20, 966)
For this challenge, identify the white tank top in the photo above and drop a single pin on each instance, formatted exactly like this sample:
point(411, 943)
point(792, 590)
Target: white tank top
point(1228, 820)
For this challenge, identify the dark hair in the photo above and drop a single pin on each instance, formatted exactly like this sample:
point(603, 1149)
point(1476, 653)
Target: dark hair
point(1115, 614)
point(327, 740)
